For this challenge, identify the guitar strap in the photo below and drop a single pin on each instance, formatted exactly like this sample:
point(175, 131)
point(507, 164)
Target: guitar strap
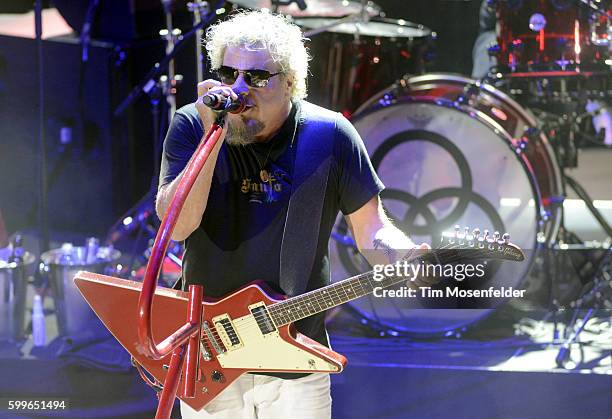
point(313, 144)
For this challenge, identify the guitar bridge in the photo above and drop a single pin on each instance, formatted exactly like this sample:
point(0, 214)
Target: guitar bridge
point(212, 339)
point(205, 350)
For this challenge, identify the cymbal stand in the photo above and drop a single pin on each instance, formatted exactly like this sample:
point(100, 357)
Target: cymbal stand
point(140, 216)
point(199, 8)
point(170, 81)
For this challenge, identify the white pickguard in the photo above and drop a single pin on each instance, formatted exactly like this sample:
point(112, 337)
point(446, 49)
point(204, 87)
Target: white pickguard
point(269, 352)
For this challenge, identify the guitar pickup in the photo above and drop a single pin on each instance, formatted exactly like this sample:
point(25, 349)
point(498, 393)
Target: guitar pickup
point(227, 332)
point(261, 315)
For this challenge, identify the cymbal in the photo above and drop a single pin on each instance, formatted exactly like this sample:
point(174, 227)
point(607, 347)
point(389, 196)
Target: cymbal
point(380, 27)
point(320, 8)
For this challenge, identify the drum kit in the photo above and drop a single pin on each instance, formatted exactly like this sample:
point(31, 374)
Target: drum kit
point(455, 150)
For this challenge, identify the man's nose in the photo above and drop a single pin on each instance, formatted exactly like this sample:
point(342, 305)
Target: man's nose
point(240, 86)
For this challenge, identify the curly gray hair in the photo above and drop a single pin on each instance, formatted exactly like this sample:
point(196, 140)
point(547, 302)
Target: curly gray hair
point(261, 29)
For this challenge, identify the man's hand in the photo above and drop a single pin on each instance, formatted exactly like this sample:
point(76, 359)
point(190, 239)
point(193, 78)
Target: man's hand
point(412, 254)
point(422, 280)
point(207, 115)
point(195, 205)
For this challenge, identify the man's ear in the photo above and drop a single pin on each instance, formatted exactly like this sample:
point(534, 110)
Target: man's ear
point(290, 82)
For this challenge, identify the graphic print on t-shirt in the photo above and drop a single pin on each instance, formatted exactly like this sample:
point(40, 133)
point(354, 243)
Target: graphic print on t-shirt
point(266, 188)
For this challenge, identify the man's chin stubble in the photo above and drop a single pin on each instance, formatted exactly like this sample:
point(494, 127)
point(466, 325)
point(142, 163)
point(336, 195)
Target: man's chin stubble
point(239, 133)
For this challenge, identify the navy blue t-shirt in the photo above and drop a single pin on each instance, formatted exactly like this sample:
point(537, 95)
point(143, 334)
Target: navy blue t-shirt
point(239, 238)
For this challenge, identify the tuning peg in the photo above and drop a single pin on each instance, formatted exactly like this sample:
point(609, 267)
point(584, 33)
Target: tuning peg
point(493, 237)
point(496, 235)
point(466, 232)
point(485, 235)
point(506, 238)
point(476, 233)
point(457, 229)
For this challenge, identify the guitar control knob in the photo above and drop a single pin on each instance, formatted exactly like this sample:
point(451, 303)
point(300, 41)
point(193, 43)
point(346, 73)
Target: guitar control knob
point(217, 376)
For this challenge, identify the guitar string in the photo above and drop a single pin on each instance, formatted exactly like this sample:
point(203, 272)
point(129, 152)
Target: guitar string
point(297, 303)
point(275, 308)
point(358, 281)
point(285, 306)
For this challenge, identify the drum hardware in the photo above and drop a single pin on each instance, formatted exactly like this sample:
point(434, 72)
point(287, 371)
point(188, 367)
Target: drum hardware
point(584, 196)
point(404, 108)
point(426, 152)
point(469, 94)
point(598, 296)
point(330, 24)
point(312, 8)
point(563, 130)
point(157, 85)
point(360, 56)
point(545, 36)
point(149, 81)
point(301, 4)
point(553, 53)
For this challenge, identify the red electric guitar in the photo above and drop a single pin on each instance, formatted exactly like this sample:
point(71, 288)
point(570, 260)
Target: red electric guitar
point(252, 328)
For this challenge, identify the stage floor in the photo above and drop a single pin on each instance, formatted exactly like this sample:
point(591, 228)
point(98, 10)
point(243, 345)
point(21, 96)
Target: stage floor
point(512, 375)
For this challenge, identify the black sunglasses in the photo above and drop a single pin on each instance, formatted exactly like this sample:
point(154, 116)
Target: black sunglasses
point(253, 78)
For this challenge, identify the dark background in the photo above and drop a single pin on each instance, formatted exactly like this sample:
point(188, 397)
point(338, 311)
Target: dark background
point(108, 164)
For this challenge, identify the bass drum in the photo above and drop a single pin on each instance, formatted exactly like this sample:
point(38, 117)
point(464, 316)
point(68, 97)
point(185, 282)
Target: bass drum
point(453, 151)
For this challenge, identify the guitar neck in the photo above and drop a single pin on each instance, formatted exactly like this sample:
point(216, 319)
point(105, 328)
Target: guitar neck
point(472, 247)
point(319, 300)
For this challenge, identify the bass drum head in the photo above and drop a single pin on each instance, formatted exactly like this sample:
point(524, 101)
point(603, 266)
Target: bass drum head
point(442, 165)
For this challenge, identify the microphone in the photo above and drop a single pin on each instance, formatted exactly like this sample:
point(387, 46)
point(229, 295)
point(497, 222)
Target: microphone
point(221, 103)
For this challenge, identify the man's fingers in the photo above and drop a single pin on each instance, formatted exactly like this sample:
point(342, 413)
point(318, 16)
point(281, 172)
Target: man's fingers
point(216, 87)
point(206, 85)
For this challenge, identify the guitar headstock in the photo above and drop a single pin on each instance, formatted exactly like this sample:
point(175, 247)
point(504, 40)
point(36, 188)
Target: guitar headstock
point(479, 244)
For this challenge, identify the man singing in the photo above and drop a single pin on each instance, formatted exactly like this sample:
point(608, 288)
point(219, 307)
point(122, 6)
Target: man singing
point(235, 220)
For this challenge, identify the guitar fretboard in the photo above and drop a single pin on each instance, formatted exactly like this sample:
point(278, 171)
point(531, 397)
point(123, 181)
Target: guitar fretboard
point(317, 301)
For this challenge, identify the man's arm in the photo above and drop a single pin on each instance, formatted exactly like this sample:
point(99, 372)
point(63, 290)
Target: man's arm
point(372, 229)
point(193, 209)
point(195, 204)
point(378, 239)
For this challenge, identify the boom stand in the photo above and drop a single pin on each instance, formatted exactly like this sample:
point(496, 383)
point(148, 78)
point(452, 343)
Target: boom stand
point(184, 359)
